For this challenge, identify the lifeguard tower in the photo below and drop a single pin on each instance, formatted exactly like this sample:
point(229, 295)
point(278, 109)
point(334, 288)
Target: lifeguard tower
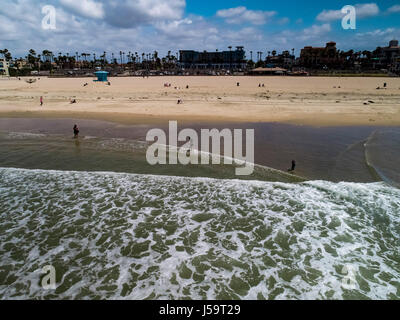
point(102, 76)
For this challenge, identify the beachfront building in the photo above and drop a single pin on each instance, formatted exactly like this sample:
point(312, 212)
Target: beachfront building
point(283, 60)
point(320, 57)
point(392, 52)
point(4, 67)
point(21, 63)
point(388, 57)
point(217, 60)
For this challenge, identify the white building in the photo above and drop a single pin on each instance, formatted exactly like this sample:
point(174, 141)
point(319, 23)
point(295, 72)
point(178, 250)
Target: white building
point(4, 65)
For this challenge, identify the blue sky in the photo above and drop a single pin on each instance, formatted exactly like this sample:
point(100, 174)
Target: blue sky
point(148, 25)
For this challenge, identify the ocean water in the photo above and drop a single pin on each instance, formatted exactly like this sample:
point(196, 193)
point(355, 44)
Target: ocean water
point(382, 154)
point(114, 227)
point(141, 236)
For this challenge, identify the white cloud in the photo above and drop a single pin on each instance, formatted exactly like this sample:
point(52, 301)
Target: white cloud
point(283, 21)
point(317, 30)
point(86, 8)
point(394, 9)
point(378, 32)
point(367, 10)
point(127, 13)
point(131, 13)
point(241, 14)
point(362, 11)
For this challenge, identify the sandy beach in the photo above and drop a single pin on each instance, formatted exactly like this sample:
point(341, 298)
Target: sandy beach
point(316, 101)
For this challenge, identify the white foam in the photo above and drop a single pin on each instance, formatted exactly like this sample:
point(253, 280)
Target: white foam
point(319, 225)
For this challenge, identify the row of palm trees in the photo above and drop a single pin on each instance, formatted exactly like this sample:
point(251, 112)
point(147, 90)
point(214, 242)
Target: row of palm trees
point(119, 58)
point(122, 58)
point(89, 59)
point(260, 53)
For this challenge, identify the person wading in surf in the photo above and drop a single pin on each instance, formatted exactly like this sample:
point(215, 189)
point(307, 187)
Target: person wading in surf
point(76, 131)
point(293, 166)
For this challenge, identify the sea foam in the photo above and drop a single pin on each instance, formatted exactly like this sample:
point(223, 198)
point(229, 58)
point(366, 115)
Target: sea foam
point(131, 236)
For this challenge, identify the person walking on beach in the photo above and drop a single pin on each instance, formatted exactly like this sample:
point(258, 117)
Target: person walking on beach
point(293, 166)
point(76, 131)
point(41, 101)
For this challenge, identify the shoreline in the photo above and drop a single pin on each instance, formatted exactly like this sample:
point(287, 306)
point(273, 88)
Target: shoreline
point(146, 119)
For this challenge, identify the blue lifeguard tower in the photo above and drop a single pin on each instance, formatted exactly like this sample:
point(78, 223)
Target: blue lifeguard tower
point(101, 76)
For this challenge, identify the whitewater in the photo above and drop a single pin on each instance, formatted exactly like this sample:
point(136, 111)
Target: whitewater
point(140, 236)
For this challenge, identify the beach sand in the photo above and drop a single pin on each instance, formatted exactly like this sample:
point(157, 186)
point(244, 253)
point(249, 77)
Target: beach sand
point(316, 101)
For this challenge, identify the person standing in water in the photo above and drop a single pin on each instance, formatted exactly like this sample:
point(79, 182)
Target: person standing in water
point(293, 166)
point(76, 131)
point(189, 150)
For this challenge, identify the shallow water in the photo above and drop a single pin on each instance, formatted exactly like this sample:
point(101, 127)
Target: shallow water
point(133, 236)
point(382, 153)
point(58, 152)
point(326, 153)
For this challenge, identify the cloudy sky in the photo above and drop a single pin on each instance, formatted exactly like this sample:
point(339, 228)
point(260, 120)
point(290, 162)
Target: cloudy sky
point(95, 26)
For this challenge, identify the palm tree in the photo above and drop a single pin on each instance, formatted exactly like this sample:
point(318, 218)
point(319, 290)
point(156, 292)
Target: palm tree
point(230, 56)
point(251, 55)
point(45, 54)
point(6, 54)
point(39, 60)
